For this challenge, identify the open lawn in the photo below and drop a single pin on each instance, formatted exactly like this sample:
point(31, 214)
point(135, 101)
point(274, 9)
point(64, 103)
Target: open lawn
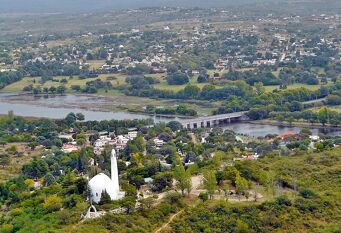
point(35, 81)
point(294, 86)
point(221, 72)
point(165, 86)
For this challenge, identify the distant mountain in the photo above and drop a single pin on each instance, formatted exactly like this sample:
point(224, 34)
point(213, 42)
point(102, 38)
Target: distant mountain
point(70, 6)
point(77, 6)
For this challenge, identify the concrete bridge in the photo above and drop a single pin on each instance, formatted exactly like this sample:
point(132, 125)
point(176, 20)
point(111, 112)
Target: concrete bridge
point(211, 121)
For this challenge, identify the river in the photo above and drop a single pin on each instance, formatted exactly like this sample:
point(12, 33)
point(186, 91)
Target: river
point(258, 130)
point(59, 106)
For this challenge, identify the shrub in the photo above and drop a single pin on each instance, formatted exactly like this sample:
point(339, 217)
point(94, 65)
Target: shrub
point(52, 203)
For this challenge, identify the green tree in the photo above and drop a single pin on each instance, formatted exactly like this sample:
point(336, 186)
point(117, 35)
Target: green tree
point(210, 182)
point(49, 179)
point(177, 78)
point(260, 89)
point(290, 119)
point(191, 91)
point(53, 89)
point(202, 78)
point(280, 118)
point(2, 143)
point(136, 180)
point(268, 180)
point(242, 185)
point(6, 228)
point(242, 227)
point(70, 118)
point(147, 203)
point(203, 196)
point(231, 174)
point(80, 116)
point(33, 145)
point(140, 144)
point(35, 169)
point(162, 181)
point(52, 203)
point(174, 125)
point(46, 90)
point(129, 204)
point(64, 216)
point(105, 198)
point(81, 139)
point(183, 179)
point(323, 116)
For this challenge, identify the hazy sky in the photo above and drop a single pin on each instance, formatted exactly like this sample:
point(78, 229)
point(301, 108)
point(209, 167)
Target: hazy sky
point(88, 5)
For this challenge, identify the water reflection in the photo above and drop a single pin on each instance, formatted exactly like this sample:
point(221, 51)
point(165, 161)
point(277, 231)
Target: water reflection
point(62, 105)
point(263, 130)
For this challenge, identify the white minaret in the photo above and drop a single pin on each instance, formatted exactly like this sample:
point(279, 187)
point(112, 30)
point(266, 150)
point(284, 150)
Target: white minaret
point(114, 172)
point(102, 182)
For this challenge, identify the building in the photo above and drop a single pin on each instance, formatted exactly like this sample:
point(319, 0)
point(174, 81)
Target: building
point(102, 183)
point(158, 142)
point(132, 135)
point(248, 157)
point(68, 148)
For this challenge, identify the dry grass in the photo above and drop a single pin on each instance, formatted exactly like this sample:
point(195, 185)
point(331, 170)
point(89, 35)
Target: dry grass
point(330, 108)
point(25, 155)
point(96, 64)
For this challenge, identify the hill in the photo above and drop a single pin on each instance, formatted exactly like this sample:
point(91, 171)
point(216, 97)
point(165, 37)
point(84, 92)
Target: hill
point(76, 6)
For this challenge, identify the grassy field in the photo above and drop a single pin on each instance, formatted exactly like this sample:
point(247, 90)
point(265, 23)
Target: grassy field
point(131, 103)
point(95, 64)
point(221, 72)
point(318, 70)
point(165, 86)
point(17, 162)
point(294, 86)
point(330, 108)
point(18, 86)
point(120, 80)
point(56, 43)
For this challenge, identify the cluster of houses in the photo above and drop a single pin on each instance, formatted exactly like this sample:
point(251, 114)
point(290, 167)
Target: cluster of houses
point(285, 47)
point(105, 138)
point(119, 142)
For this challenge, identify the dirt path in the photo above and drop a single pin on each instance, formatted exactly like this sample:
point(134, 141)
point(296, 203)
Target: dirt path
point(194, 138)
point(169, 221)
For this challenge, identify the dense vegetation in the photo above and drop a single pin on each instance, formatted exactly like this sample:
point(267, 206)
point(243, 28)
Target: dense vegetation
point(314, 208)
point(279, 62)
point(7, 78)
point(50, 193)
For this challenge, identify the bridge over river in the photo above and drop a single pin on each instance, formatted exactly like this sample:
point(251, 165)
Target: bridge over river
point(211, 121)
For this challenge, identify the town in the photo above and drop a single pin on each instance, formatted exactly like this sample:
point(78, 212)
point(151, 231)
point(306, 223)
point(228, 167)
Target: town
point(170, 118)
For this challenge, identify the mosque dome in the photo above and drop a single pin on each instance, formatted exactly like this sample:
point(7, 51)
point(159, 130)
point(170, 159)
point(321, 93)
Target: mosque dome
point(101, 183)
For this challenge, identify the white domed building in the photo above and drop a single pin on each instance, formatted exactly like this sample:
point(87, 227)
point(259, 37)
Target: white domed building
point(101, 182)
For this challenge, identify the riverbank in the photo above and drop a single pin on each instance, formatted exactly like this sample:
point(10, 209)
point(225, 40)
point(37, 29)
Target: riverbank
point(294, 124)
point(99, 102)
point(59, 106)
point(175, 116)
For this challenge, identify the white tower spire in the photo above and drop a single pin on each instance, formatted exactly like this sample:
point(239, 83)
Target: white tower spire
point(102, 182)
point(114, 171)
